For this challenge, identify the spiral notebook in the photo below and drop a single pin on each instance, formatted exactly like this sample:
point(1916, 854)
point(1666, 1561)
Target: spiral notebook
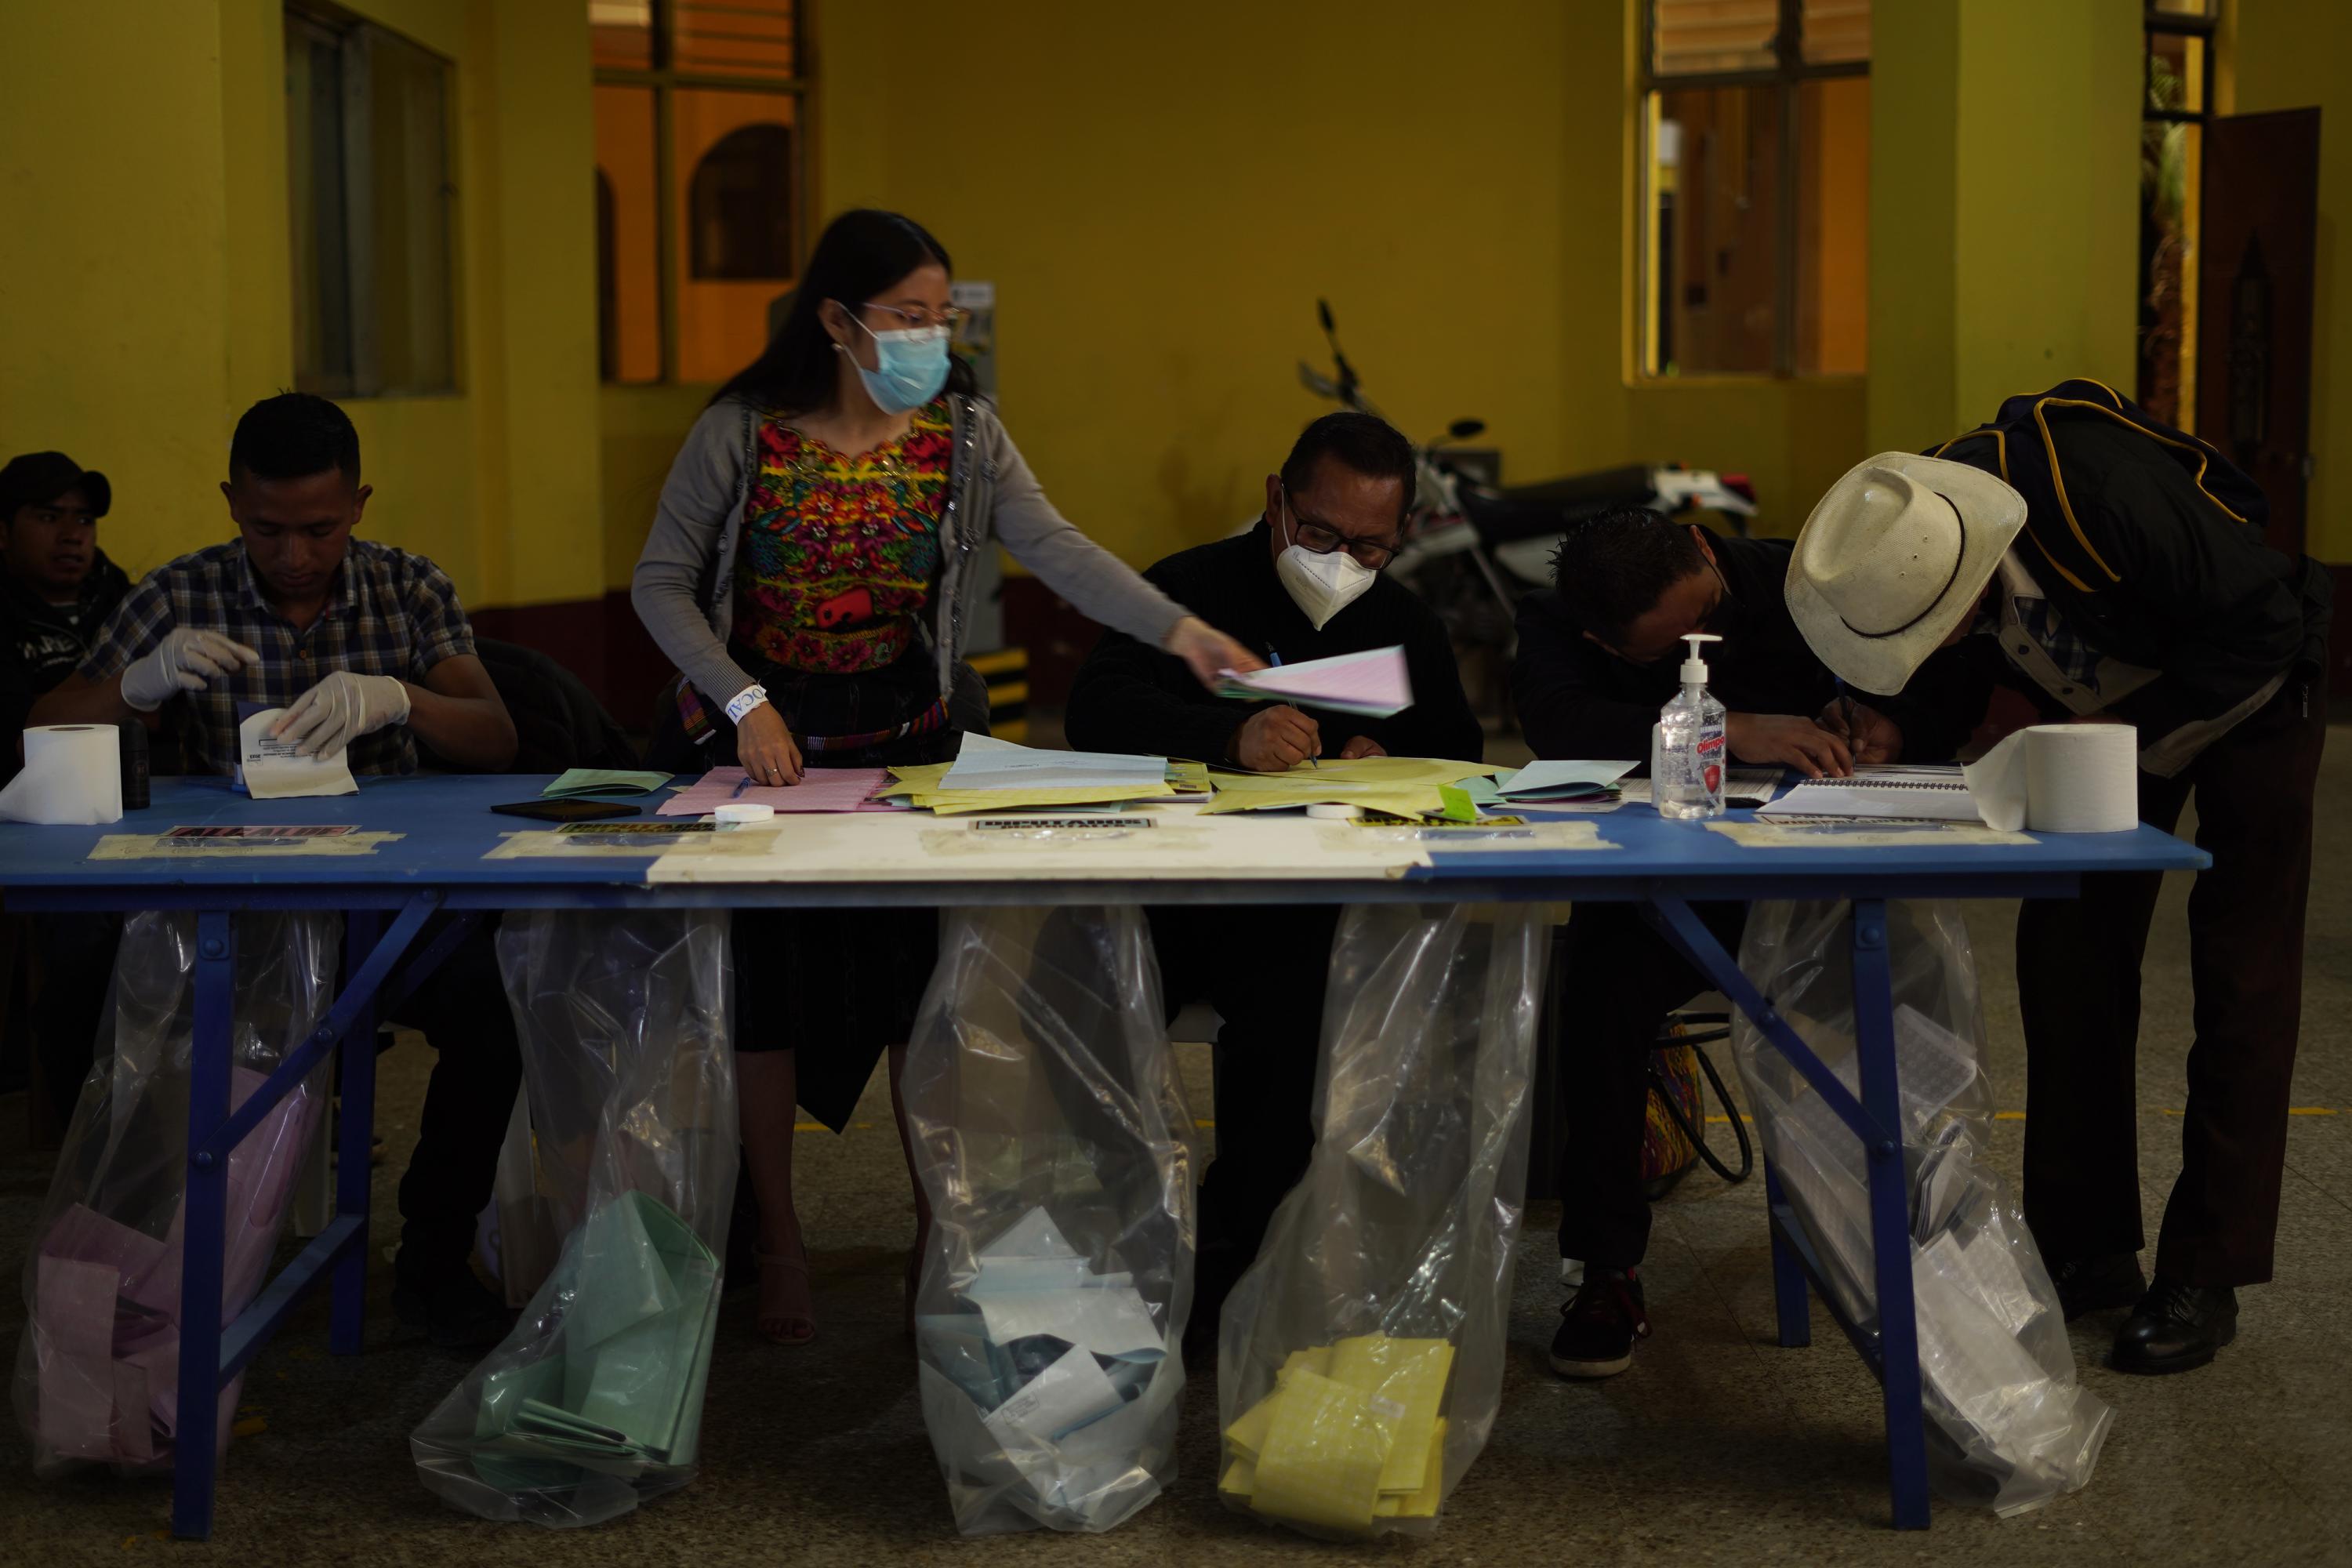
point(1881, 794)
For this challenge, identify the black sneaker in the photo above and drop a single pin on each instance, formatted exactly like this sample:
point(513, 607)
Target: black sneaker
point(1599, 1323)
point(2099, 1284)
point(456, 1311)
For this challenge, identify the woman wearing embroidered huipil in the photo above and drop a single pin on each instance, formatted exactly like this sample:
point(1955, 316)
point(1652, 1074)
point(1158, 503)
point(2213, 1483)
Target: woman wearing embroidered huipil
point(807, 573)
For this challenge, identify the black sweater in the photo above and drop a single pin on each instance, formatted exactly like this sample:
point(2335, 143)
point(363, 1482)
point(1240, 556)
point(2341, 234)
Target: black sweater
point(1131, 698)
point(1577, 699)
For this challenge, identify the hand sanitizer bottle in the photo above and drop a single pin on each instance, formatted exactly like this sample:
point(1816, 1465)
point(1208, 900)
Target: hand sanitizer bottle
point(1686, 749)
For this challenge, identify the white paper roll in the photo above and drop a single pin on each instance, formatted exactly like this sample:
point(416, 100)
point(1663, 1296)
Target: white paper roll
point(2082, 778)
point(72, 777)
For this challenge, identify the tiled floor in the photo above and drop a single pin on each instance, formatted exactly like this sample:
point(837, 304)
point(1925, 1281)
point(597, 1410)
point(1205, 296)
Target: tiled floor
point(1718, 1446)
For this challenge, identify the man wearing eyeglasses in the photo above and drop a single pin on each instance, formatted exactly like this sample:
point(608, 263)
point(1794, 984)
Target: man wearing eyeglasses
point(1306, 581)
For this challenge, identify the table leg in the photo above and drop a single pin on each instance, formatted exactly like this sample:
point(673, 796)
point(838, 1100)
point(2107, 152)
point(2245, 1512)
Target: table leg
point(1793, 1312)
point(195, 1453)
point(1890, 1218)
point(356, 1130)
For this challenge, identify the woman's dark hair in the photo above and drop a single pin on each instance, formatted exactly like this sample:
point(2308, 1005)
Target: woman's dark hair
point(1611, 570)
point(860, 255)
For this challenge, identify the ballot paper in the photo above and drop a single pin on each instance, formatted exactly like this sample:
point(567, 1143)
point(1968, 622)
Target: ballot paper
point(820, 789)
point(1887, 793)
point(1373, 683)
point(269, 768)
point(985, 763)
point(1552, 781)
point(1350, 1434)
point(577, 781)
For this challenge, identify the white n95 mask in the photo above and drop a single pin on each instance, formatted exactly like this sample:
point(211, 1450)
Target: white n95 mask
point(1322, 586)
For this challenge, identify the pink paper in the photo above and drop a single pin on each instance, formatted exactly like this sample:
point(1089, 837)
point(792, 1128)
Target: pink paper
point(820, 789)
point(73, 1332)
point(1374, 681)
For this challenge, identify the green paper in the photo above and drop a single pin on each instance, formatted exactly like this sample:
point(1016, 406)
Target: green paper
point(575, 782)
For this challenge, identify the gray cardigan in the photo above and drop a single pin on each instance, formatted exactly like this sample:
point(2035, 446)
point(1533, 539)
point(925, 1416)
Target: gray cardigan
point(684, 589)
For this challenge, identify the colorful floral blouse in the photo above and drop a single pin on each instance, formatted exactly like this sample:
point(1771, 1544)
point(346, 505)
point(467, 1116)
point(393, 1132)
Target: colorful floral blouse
point(840, 553)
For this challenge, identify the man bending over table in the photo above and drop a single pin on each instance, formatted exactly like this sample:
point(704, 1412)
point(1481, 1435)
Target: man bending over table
point(1599, 657)
point(367, 648)
point(1305, 581)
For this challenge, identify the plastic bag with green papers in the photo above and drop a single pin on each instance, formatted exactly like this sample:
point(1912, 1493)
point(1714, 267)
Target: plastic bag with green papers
point(593, 1402)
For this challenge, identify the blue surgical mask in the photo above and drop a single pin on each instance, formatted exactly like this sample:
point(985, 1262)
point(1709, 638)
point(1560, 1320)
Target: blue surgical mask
point(910, 367)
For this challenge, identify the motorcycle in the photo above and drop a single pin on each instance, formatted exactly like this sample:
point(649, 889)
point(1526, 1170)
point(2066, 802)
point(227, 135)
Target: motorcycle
point(1473, 549)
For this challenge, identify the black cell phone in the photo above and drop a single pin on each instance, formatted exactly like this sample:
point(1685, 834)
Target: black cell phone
point(568, 810)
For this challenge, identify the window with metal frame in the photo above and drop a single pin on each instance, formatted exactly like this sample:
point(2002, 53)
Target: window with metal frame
point(2178, 53)
point(701, 181)
point(369, 197)
point(1754, 205)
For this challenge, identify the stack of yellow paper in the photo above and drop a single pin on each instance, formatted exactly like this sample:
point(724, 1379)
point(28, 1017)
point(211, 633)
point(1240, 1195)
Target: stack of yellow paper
point(920, 785)
point(1350, 1435)
point(1400, 786)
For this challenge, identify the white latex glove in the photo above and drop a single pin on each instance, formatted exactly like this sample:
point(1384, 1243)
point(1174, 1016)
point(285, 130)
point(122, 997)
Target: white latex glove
point(339, 710)
point(186, 659)
point(1208, 651)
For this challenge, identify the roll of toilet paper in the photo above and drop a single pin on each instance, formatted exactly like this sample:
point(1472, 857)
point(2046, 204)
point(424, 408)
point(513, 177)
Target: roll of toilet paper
point(2082, 778)
point(72, 777)
point(2061, 778)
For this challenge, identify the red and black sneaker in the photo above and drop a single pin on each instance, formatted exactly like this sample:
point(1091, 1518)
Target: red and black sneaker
point(1599, 1323)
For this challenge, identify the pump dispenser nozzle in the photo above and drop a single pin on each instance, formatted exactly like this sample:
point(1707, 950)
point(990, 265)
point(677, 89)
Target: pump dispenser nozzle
point(1693, 664)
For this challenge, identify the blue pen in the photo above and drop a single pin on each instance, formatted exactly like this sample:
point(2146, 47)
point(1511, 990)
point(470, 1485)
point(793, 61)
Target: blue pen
point(1276, 659)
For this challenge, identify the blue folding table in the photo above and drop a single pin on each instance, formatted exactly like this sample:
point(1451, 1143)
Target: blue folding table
point(438, 865)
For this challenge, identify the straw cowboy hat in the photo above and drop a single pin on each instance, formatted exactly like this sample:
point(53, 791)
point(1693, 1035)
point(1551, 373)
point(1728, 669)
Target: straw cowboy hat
point(1895, 555)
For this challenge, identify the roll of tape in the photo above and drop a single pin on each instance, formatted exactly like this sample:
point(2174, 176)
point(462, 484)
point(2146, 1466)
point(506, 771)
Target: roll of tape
point(1333, 812)
point(743, 814)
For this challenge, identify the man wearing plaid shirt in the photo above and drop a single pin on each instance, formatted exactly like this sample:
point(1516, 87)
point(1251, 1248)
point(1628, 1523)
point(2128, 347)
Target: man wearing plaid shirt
point(366, 648)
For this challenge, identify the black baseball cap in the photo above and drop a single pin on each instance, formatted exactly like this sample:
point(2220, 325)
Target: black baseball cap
point(37, 478)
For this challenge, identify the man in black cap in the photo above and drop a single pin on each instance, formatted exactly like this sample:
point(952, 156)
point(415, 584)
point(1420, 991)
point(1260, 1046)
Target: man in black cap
point(58, 587)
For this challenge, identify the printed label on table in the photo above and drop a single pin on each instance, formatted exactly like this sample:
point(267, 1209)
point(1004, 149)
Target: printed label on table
point(1056, 824)
point(340, 841)
point(642, 829)
point(1842, 834)
point(632, 840)
point(306, 831)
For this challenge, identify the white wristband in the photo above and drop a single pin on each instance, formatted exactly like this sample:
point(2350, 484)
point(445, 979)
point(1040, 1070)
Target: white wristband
point(743, 701)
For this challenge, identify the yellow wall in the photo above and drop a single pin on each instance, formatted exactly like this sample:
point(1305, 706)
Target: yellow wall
point(114, 258)
point(2275, 56)
point(2004, 225)
point(145, 279)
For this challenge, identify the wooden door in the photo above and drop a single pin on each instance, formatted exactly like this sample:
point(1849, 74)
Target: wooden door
point(2258, 222)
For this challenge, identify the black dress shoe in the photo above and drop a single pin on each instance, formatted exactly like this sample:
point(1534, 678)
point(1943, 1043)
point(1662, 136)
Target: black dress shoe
point(2176, 1328)
point(2099, 1284)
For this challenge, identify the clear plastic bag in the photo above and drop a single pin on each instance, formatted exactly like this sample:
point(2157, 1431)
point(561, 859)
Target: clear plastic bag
point(1361, 1358)
point(98, 1370)
point(2009, 1427)
point(1048, 1130)
point(593, 1402)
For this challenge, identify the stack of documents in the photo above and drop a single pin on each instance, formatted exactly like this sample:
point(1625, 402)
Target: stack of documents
point(620, 1391)
point(1350, 1435)
point(1048, 1353)
point(1881, 794)
point(1374, 684)
point(1398, 786)
point(1551, 784)
point(820, 789)
point(989, 775)
point(577, 781)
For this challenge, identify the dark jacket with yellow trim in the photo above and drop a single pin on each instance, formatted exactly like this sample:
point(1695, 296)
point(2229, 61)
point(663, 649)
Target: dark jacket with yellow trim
point(2150, 545)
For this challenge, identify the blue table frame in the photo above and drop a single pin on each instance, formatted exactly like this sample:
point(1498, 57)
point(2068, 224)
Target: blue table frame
point(387, 897)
